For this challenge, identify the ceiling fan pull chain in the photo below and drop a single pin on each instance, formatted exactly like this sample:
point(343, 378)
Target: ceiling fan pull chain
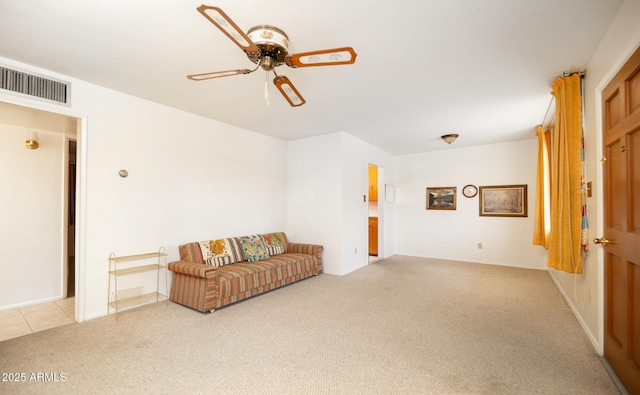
point(266, 89)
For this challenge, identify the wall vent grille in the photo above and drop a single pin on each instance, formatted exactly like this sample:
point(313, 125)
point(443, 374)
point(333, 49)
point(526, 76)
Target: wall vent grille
point(34, 86)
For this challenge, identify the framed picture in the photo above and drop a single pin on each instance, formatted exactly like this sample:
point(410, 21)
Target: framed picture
point(503, 201)
point(443, 198)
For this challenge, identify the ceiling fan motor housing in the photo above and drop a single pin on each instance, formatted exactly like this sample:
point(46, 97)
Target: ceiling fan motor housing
point(273, 44)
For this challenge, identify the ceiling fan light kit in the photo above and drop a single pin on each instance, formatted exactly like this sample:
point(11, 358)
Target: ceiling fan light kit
point(273, 44)
point(268, 47)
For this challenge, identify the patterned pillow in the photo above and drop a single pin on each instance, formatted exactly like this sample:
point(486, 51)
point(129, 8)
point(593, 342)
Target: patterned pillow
point(254, 249)
point(274, 243)
point(220, 252)
point(235, 249)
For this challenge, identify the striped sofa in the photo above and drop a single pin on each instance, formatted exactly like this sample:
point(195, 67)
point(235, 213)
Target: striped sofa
point(214, 273)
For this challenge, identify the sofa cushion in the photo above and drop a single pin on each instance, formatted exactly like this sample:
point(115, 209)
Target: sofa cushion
point(254, 249)
point(243, 277)
point(275, 243)
point(221, 252)
point(191, 252)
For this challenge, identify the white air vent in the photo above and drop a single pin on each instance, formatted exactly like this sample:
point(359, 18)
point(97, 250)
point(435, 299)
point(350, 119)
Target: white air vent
point(34, 86)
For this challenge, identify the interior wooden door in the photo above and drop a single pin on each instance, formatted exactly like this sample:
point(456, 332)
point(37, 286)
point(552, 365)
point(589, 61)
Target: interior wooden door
point(621, 239)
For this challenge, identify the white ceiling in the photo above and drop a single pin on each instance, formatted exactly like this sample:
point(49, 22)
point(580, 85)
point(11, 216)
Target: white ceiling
point(480, 68)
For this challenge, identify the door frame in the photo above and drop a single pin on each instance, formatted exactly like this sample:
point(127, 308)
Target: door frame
point(81, 194)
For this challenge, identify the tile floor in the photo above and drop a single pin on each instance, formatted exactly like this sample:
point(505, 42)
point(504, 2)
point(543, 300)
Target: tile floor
point(30, 319)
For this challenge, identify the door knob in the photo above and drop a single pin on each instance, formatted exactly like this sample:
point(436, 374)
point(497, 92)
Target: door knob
point(602, 241)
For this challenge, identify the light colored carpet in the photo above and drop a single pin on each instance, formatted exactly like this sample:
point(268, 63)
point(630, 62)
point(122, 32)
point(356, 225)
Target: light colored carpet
point(402, 325)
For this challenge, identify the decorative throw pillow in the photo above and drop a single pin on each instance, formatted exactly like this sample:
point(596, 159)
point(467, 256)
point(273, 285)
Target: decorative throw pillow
point(220, 252)
point(235, 249)
point(274, 243)
point(254, 249)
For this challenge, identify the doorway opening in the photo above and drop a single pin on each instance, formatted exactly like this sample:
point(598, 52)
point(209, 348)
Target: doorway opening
point(59, 153)
point(373, 213)
point(71, 221)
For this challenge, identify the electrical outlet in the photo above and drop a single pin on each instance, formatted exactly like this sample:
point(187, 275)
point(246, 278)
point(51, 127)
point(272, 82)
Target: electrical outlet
point(479, 246)
point(355, 251)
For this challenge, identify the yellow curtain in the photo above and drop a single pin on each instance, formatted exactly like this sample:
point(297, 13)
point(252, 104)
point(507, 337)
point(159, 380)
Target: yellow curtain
point(566, 172)
point(542, 225)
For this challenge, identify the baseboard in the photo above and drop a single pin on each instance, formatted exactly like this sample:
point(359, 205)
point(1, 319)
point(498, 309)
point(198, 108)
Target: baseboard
point(31, 303)
point(594, 342)
point(490, 263)
point(353, 270)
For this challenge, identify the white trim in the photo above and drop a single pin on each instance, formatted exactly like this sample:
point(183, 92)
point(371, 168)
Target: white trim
point(352, 270)
point(81, 218)
point(592, 339)
point(32, 303)
point(65, 215)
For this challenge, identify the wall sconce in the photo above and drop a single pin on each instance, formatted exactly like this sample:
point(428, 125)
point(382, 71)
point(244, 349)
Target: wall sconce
point(32, 140)
point(449, 138)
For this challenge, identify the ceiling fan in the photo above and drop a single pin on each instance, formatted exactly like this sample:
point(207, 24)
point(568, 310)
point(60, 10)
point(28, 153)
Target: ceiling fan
point(267, 47)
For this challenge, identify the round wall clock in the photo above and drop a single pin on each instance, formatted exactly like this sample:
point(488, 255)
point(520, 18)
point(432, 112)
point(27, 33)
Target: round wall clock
point(470, 191)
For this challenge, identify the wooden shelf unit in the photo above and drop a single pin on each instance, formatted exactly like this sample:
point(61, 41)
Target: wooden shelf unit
point(120, 266)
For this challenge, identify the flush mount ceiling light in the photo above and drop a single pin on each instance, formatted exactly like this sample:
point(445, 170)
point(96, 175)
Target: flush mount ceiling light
point(268, 47)
point(449, 138)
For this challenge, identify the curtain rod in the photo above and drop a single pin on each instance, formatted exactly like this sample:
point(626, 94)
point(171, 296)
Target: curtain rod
point(553, 114)
point(581, 73)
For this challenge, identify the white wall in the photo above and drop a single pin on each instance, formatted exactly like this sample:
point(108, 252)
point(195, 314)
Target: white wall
point(190, 178)
point(356, 157)
point(454, 235)
point(31, 217)
point(585, 292)
point(326, 181)
point(314, 191)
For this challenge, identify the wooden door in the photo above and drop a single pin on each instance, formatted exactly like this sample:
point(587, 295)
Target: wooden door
point(373, 236)
point(621, 239)
point(373, 183)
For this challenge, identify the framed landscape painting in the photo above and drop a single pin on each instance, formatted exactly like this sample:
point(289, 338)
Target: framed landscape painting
point(503, 201)
point(441, 198)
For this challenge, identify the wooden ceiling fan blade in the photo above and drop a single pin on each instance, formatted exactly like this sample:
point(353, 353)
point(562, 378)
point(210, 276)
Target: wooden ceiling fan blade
point(222, 21)
point(289, 91)
point(327, 57)
point(217, 74)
